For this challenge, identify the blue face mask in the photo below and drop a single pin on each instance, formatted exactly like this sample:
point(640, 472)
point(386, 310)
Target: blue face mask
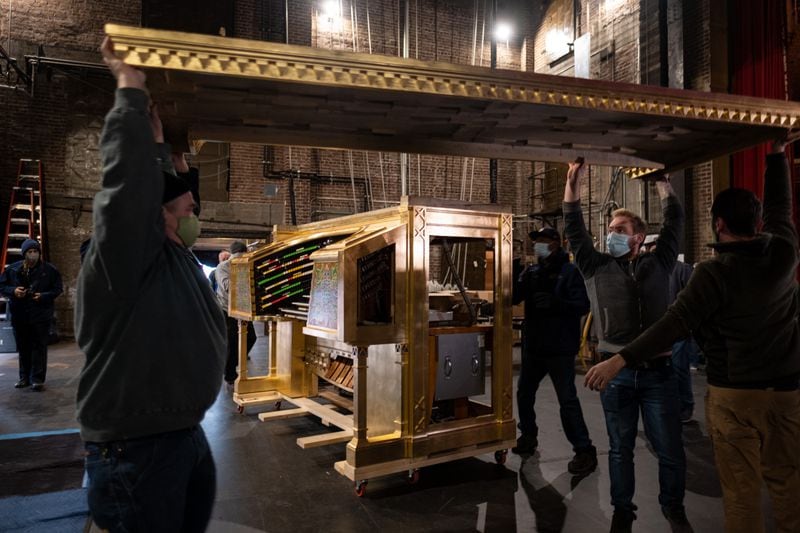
point(541, 249)
point(617, 244)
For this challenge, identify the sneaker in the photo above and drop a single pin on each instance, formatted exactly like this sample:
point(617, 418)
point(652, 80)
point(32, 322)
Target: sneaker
point(526, 444)
point(21, 384)
point(38, 387)
point(677, 520)
point(584, 462)
point(686, 415)
point(622, 522)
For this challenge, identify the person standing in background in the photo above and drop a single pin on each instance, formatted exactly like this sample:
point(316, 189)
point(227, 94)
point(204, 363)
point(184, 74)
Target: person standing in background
point(31, 285)
point(223, 276)
point(555, 300)
point(223, 256)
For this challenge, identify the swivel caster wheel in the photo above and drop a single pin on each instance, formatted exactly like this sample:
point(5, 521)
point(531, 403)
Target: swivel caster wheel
point(412, 477)
point(500, 456)
point(278, 405)
point(240, 409)
point(361, 488)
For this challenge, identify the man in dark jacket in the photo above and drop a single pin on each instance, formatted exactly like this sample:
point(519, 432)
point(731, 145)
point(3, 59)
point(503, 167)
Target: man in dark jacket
point(742, 306)
point(628, 292)
point(555, 300)
point(31, 285)
point(151, 329)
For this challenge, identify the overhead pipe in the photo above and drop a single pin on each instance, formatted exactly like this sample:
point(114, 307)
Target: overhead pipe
point(404, 6)
point(493, 162)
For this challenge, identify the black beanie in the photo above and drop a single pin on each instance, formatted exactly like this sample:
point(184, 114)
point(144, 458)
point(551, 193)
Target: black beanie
point(173, 187)
point(192, 178)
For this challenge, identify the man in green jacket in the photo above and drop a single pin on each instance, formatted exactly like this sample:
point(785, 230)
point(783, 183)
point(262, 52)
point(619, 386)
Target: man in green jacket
point(151, 329)
point(742, 306)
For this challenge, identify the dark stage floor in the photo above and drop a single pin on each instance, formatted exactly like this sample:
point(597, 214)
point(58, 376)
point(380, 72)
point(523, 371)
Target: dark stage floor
point(267, 483)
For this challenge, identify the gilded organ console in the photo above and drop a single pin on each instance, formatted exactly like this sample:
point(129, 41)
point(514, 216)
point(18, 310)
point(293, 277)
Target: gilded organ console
point(349, 302)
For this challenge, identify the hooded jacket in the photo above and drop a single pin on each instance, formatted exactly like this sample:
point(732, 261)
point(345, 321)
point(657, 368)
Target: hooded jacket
point(742, 304)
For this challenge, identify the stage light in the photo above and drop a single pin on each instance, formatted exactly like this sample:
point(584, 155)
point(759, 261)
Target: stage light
point(330, 9)
point(503, 31)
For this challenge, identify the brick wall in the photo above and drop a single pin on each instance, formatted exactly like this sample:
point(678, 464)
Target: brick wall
point(699, 179)
point(59, 125)
point(615, 30)
point(376, 176)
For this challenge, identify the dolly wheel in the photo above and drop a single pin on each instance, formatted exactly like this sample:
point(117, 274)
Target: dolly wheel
point(413, 476)
point(361, 488)
point(278, 405)
point(240, 409)
point(500, 456)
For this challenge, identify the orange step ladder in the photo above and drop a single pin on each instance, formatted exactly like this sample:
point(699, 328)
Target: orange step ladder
point(25, 211)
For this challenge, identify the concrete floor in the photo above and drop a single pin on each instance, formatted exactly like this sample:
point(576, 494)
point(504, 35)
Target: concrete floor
point(267, 483)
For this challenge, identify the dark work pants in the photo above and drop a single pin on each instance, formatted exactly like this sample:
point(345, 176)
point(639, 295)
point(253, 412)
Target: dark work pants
point(31, 342)
point(561, 370)
point(232, 361)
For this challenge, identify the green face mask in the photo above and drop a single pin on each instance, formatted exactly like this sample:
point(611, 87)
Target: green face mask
point(188, 229)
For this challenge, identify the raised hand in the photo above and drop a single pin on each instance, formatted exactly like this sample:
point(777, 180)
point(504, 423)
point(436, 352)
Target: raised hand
point(576, 171)
point(155, 124)
point(663, 185)
point(179, 162)
point(126, 75)
point(779, 145)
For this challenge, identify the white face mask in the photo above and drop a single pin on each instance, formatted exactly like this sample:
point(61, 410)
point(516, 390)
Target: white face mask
point(617, 244)
point(541, 249)
point(32, 257)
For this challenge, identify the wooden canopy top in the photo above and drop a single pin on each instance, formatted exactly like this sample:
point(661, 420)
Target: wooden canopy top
point(226, 89)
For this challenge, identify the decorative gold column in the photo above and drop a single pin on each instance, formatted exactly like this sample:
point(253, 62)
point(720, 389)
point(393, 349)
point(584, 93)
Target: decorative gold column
point(360, 393)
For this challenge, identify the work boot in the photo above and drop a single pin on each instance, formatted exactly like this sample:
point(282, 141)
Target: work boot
point(584, 462)
point(526, 444)
point(677, 520)
point(21, 384)
point(622, 521)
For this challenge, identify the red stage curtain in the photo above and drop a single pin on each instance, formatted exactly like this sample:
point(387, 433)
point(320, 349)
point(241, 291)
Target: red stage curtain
point(757, 69)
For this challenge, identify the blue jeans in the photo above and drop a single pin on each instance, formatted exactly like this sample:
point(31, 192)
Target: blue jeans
point(562, 373)
point(163, 482)
point(655, 393)
point(683, 352)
